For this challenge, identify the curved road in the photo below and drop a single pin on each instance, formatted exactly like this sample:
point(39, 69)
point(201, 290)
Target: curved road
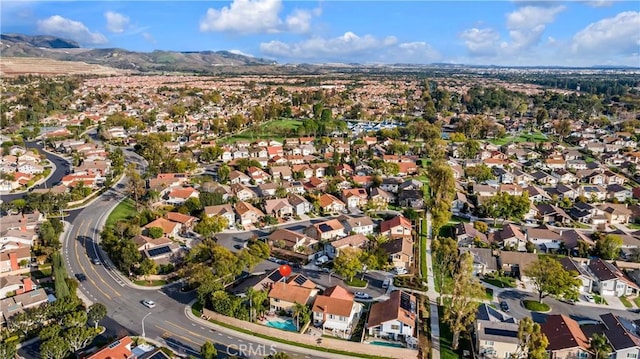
point(167, 321)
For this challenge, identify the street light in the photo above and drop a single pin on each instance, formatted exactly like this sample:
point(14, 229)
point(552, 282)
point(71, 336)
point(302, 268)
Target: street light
point(143, 318)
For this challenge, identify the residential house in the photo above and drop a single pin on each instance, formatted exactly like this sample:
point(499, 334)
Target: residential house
point(581, 271)
point(330, 204)
point(169, 228)
point(396, 227)
point(326, 230)
point(391, 184)
point(237, 177)
point(355, 197)
point(284, 296)
point(622, 335)
point(566, 339)
point(400, 252)
point(120, 348)
point(278, 208)
point(242, 193)
point(618, 192)
point(616, 213)
point(380, 197)
point(395, 318)
point(292, 241)
point(224, 210)
point(268, 189)
point(510, 236)
point(484, 261)
point(360, 225)
point(283, 173)
point(572, 238)
point(185, 221)
point(336, 310)
point(544, 239)
point(467, 235)
point(583, 212)
point(610, 280)
point(496, 334)
point(300, 204)
point(548, 213)
point(515, 263)
point(333, 248)
point(11, 259)
point(178, 196)
point(247, 213)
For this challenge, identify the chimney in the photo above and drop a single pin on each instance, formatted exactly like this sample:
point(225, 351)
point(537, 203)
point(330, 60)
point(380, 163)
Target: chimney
point(13, 258)
point(28, 284)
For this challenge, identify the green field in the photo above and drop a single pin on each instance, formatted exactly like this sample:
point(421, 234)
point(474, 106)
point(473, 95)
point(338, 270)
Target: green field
point(124, 210)
point(534, 137)
point(272, 130)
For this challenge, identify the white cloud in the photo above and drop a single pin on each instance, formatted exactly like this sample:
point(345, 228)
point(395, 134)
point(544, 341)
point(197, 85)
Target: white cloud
point(349, 48)
point(116, 22)
point(148, 37)
point(619, 35)
point(481, 42)
point(74, 30)
point(257, 16)
point(527, 24)
point(238, 52)
point(599, 3)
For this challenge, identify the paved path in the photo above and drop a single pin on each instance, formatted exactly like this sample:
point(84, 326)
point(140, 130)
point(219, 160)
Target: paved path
point(433, 296)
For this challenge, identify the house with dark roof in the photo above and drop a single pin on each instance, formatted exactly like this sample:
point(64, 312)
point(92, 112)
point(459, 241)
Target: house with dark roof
point(581, 271)
point(395, 318)
point(400, 251)
point(610, 280)
point(496, 333)
point(510, 236)
point(566, 339)
point(547, 213)
point(623, 335)
point(467, 235)
point(483, 260)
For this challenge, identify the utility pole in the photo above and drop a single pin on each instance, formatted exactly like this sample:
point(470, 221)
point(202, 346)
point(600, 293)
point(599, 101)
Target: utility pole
point(143, 318)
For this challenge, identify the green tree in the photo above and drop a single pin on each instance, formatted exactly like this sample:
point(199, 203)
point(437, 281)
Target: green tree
point(209, 226)
point(79, 337)
point(479, 173)
point(50, 331)
point(442, 186)
point(54, 348)
point(506, 206)
point(8, 349)
point(446, 254)
point(562, 128)
point(278, 355)
point(258, 302)
point(208, 351)
point(347, 264)
point(301, 314)
point(223, 173)
point(75, 319)
point(481, 226)
point(531, 340)
point(148, 267)
point(608, 247)
point(461, 309)
point(600, 346)
point(550, 278)
point(135, 184)
point(97, 312)
point(155, 232)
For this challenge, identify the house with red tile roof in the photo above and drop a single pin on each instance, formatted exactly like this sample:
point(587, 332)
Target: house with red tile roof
point(178, 196)
point(396, 227)
point(566, 339)
point(284, 296)
point(119, 349)
point(335, 309)
point(169, 228)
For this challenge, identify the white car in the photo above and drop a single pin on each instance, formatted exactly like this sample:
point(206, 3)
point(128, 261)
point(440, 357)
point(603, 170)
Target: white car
point(361, 295)
point(589, 298)
point(149, 303)
point(400, 270)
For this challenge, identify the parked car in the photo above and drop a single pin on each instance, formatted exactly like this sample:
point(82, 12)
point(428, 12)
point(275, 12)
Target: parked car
point(149, 303)
point(589, 298)
point(400, 270)
point(386, 283)
point(362, 295)
point(504, 306)
point(322, 260)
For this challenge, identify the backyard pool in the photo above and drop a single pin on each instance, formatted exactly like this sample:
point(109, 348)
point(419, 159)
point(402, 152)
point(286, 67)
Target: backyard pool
point(283, 324)
point(387, 344)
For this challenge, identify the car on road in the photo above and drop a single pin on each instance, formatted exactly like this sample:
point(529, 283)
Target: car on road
point(96, 261)
point(504, 306)
point(81, 277)
point(361, 295)
point(149, 303)
point(589, 298)
point(386, 283)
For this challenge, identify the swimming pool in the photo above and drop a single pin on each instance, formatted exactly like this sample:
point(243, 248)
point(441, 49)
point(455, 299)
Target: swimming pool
point(288, 324)
point(387, 344)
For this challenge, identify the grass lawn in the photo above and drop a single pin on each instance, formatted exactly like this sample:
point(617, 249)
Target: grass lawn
point(637, 301)
point(356, 282)
point(153, 283)
point(446, 337)
point(536, 306)
point(456, 219)
point(633, 225)
point(125, 210)
point(534, 137)
point(42, 272)
point(448, 230)
point(423, 249)
point(500, 282)
point(276, 130)
point(599, 299)
point(626, 302)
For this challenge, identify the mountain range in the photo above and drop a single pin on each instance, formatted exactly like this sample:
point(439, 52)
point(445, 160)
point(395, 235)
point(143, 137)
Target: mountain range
point(18, 45)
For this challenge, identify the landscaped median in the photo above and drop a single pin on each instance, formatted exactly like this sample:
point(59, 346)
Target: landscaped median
point(324, 344)
point(535, 306)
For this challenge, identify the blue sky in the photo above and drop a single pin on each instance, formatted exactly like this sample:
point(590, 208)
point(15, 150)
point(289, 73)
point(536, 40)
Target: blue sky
point(576, 33)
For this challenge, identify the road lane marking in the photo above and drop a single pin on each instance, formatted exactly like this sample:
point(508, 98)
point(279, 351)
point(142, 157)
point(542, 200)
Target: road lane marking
point(82, 267)
point(93, 268)
point(188, 331)
point(168, 334)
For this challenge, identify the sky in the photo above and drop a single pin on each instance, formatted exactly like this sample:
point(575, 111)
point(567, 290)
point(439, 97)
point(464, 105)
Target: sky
point(509, 33)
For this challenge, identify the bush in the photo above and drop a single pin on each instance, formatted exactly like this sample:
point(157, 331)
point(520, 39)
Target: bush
point(356, 282)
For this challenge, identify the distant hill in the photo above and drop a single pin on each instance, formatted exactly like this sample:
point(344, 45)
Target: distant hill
point(16, 45)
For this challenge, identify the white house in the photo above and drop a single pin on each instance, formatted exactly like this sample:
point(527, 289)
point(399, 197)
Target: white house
point(610, 280)
point(337, 311)
point(395, 318)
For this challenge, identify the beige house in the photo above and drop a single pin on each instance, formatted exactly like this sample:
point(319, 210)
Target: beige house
point(284, 296)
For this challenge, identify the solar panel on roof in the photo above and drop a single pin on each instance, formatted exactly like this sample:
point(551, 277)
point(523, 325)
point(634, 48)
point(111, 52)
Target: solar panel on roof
point(325, 227)
point(501, 332)
point(300, 280)
point(114, 344)
point(154, 252)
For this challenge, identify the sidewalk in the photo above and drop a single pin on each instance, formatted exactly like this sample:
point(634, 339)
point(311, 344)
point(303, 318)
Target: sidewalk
point(433, 296)
point(309, 340)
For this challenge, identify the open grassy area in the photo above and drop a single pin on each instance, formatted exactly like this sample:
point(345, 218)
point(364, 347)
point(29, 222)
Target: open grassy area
point(536, 306)
point(196, 309)
point(423, 249)
point(356, 282)
point(633, 226)
point(500, 282)
point(125, 210)
point(626, 302)
point(153, 283)
point(275, 130)
point(534, 137)
point(637, 301)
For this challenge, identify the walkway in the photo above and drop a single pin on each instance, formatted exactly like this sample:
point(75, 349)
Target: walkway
point(433, 296)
